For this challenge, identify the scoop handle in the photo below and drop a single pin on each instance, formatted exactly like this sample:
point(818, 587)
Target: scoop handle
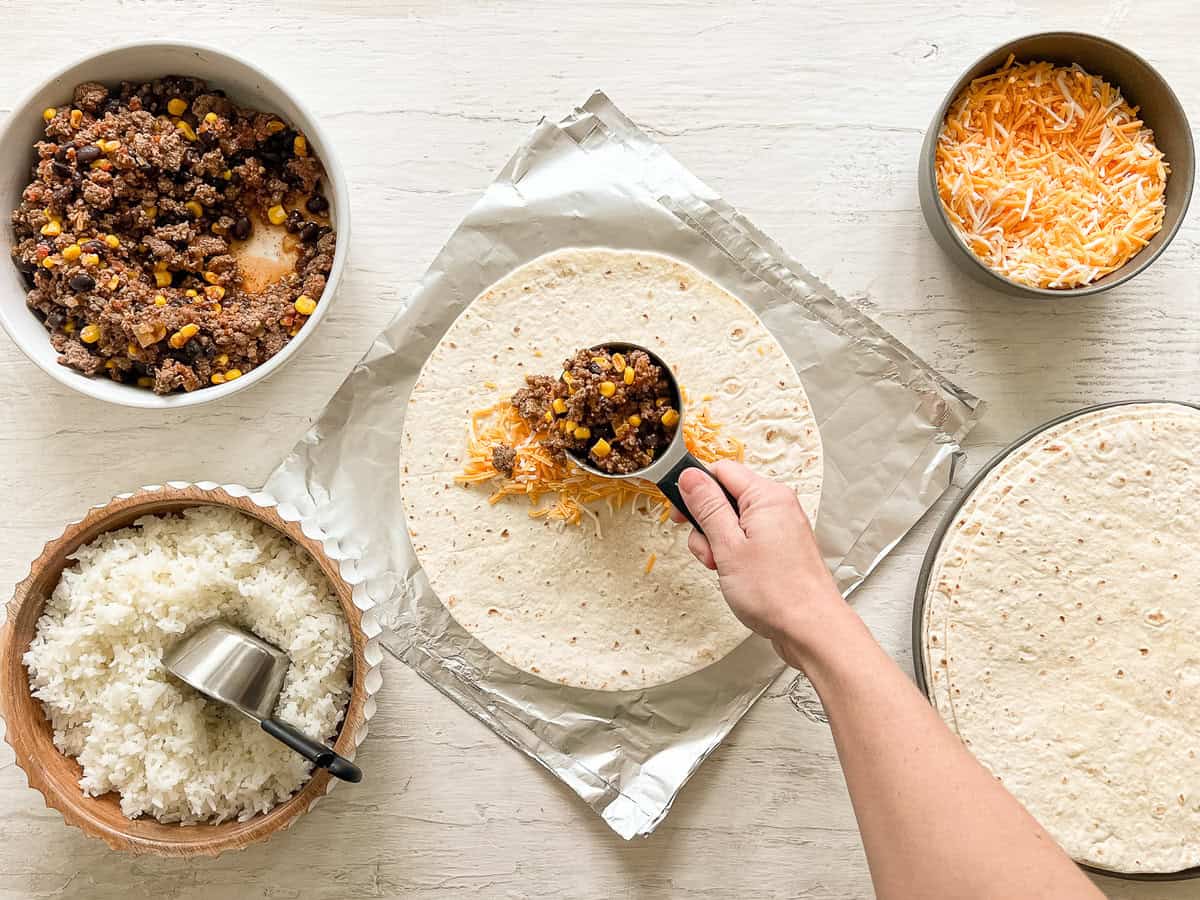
point(669, 485)
point(314, 751)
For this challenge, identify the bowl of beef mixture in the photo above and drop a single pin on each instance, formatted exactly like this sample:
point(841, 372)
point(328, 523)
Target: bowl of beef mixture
point(174, 237)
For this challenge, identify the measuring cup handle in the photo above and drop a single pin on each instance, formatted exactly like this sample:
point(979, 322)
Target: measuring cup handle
point(669, 485)
point(314, 751)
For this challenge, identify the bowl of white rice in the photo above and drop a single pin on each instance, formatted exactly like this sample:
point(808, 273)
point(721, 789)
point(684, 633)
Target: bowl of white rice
point(115, 743)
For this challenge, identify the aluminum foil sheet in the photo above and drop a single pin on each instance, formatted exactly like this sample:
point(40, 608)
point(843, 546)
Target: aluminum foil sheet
point(890, 426)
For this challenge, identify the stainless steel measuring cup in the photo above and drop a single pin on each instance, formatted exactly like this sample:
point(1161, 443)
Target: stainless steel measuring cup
point(672, 462)
point(237, 668)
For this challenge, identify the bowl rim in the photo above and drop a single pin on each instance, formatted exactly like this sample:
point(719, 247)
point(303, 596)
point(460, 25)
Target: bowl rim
point(1131, 268)
point(336, 186)
point(28, 738)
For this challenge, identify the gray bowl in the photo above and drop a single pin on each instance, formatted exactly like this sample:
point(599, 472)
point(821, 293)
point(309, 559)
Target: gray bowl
point(1141, 85)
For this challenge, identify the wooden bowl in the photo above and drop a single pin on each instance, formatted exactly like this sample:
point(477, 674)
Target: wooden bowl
point(57, 776)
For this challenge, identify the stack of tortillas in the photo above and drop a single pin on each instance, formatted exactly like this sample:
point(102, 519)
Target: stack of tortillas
point(1062, 632)
point(620, 603)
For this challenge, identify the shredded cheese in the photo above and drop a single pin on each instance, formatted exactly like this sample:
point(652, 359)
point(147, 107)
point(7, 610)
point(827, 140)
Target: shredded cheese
point(1048, 174)
point(571, 492)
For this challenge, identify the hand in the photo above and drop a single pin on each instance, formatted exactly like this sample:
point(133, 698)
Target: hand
point(771, 571)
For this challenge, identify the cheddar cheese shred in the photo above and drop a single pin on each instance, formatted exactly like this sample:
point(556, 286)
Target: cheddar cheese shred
point(1048, 174)
point(556, 488)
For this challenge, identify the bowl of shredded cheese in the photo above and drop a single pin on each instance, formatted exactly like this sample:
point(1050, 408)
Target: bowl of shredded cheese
point(1058, 164)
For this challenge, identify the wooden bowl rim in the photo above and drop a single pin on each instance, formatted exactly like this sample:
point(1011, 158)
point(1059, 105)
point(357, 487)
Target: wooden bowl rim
point(22, 734)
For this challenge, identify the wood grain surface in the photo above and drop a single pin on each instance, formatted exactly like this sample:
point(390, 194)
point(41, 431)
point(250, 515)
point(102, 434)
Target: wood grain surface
point(806, 116)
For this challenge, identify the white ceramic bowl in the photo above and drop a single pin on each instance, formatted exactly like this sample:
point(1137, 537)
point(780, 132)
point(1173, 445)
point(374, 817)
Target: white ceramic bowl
point(247, 86)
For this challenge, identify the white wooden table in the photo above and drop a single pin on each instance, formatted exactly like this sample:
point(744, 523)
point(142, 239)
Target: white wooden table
point(809, 118)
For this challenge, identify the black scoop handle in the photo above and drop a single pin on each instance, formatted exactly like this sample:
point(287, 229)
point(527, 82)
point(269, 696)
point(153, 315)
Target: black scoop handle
point(669, 485)
point(314, 751)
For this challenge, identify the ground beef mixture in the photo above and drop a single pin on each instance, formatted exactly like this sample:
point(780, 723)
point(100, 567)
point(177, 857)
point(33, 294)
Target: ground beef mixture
point(616, 410)
point(127, 234)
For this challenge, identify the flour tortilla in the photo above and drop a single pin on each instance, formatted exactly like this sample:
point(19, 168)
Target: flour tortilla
point(950, 556)
point(575, 605)
point(1065, 604)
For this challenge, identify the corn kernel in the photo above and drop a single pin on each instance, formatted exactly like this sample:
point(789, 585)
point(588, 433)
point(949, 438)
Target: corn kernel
point(277, 215)
point(217, 228)
point(222, 360)
point(90, 334)
point(635, 420)
point(568, 425)
point(151, 211)
point(110, 364)
point(661, 401)
point(192, 292)
point(216, 308)
point(295, 331)
point(69, 327)
point(227, 174)
point(177, 106)
point(72, 253)
point(145, 381)
point(109, 146)
point(300, 145)
point(114, 282)
point(582, 433)
point(670, 418)
point(183, 335)
point(233, 374)
point(607, 389)
point(601, 448)
point(560, 405)
point(211, 117)
point(112, 240)
point(49, 113)
point(305, 305)
point(132, 350)
point(618, 361)
point(566, 377)
point(162, 279)
point(217, 378)
point(212, 277)
point(76, 117)
point(549, 416)
point(275, 126)
point(214, 292)
point(49, 262)
point(53, 228)
point(160, 300)
point(194, 207)
point(628, 375)
point(185, 129)
point(102, 164)
point(93, 259)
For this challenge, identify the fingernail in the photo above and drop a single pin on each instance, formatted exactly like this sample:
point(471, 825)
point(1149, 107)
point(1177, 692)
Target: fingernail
point(690, 480)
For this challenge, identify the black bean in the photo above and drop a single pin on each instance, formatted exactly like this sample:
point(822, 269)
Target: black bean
point(317, 204)
point(63, 154)
point(82, 282)
point(88, 153)
point(310, 232)
point(23, 265)
point(61, 169)
point(55, 320)
point(93, 247)
point(241, 228)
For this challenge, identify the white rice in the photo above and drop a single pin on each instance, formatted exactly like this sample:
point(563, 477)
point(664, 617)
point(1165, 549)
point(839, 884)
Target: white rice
point(96, 664)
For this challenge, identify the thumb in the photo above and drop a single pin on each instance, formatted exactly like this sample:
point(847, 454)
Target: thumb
point(707, 502)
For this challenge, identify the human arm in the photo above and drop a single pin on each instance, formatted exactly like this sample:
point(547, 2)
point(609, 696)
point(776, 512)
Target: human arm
point(934, 822)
